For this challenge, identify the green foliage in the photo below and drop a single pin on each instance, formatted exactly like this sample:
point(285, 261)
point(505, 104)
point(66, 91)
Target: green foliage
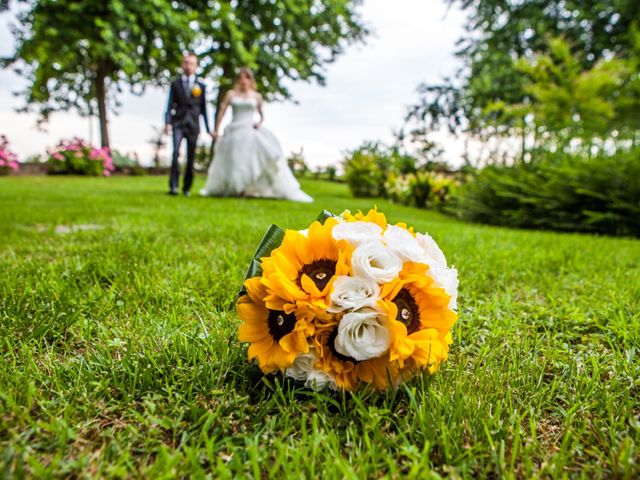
point(282, 40)
point(203, 157)
point(80, 53)
point(124, 160)
point(121, 356)
point(422, 189)
point(564, 101)
point(77, 157)
point(271, 240)
point(127, 163)
point(366, 169)
point(545, 72)
point(375, 170)
point(8, 159)
point(331, 173)
point(297, 163)
point(560, 192)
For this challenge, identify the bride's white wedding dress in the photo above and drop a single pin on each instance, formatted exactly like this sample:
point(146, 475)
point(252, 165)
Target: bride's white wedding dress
point(249, 161)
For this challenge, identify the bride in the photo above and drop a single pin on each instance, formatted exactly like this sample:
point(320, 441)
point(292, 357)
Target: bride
point(248, 160)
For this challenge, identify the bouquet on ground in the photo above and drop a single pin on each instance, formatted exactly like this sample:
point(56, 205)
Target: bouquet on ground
point(8, 159)
point(77, 157)
point(352, 300)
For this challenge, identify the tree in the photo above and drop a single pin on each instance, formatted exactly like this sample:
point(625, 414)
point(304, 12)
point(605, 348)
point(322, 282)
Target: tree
point(567, 101)
point(281, 39)
point(509, 54)
point(81, 53)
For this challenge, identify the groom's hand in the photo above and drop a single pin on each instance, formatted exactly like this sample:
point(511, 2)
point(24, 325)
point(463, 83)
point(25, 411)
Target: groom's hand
point(214, 135)
point(167, 129)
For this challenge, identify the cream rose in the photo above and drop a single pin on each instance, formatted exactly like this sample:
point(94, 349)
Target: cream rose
point(319, 380)
point(362, 335)
point(304, 370)
point(431, 251)
point(357, 233)
point(402, 243)
point(445, 277)
point(353, 293)
point(373, 260)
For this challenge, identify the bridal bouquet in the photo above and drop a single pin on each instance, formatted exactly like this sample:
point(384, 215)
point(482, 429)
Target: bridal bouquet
point(351, 300)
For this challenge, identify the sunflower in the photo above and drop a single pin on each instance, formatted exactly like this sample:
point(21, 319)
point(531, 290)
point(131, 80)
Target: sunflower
point(372, 215)
point(276, 337)
point(419, 318)
point(348, 372)
point(299, 274)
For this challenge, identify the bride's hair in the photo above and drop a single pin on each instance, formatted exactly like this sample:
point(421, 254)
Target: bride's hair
point(247, 72)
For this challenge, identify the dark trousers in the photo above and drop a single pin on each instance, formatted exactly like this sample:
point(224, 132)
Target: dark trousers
point(174, 178)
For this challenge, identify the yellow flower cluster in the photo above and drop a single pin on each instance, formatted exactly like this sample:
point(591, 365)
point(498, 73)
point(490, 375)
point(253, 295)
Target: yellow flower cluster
point(350, 301)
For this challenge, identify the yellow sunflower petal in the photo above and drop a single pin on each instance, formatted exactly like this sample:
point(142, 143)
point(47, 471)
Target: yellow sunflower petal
point(255, 289)
point(252, 313)
point(295, 342)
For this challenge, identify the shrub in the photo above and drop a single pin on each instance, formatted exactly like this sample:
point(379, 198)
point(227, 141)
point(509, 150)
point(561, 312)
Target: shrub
point(559, 192)
point(8, 159)
point(422, 189)
point(297, 163)
point(331, 173)
point(366, 170)
point(127, 163)
point(374, 170)
point(77, 157)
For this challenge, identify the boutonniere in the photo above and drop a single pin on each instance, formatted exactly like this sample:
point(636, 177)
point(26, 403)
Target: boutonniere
point(196, 91)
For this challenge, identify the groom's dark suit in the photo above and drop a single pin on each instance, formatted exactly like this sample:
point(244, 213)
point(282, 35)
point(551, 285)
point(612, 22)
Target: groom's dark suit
point(186, 103)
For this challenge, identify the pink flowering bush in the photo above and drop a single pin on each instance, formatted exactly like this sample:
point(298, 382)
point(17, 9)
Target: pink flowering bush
point(77, 157)
point(8, 160)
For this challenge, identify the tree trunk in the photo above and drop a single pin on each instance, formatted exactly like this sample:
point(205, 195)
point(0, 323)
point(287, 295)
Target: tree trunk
point(101, 96)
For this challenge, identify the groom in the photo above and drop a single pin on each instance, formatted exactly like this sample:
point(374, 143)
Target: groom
point(186, 104)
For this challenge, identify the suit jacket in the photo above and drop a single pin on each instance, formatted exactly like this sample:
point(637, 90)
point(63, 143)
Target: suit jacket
point(184, 108)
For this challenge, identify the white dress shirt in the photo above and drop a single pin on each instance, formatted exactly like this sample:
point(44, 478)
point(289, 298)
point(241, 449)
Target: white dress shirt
point(188, 82)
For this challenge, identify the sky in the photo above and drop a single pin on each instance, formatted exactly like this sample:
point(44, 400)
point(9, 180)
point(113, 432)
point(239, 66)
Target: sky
point(366, 96)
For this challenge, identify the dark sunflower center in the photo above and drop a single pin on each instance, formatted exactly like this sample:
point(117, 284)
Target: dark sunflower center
point(331, 344)
point(319, 271)
point(408, 311)
point(280, 324)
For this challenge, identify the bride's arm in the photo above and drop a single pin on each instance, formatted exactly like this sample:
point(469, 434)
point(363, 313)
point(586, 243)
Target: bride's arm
point(260, 112)
point(223, 109)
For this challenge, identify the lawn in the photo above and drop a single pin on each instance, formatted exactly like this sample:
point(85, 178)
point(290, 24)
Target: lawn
point(120, 355)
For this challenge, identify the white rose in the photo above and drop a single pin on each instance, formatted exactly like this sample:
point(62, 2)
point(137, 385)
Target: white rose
point(319, 379)
point(304, 370)
point(357, 233)
point(302, 365)
point(447, 278)
point(375, 261)
point(362, 335)
point(430, 249)
point(353, 293)
point(444, 277)
point(403, 243)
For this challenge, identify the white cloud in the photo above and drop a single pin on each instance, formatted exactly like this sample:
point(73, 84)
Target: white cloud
point(367, 92)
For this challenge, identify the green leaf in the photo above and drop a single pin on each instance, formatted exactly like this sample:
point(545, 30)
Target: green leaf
point(324, 215)
point(270, 241)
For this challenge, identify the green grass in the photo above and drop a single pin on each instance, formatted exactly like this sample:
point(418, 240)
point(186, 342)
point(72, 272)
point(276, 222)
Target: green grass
point(120, 355)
